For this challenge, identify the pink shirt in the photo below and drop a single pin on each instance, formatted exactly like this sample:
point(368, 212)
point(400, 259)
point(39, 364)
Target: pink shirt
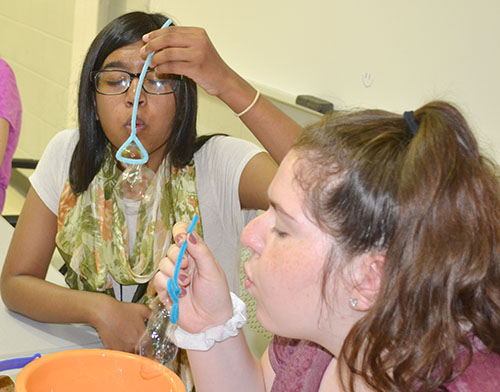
point(299, 366)
point(482, 375)
point(11, 110)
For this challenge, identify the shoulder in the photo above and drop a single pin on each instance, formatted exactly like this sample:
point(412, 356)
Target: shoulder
point(223, 158)
point(52, 170)
point(10, 101)
point(60, 149)
point(65, 139)
point(8, 82)
point(5, 68)
point(227, 148)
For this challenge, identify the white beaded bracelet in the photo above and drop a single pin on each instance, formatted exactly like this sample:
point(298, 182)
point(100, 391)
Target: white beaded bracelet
point(249, 106)
point(203, 341)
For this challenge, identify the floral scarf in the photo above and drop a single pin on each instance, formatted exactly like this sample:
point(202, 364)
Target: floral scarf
point(92, 233)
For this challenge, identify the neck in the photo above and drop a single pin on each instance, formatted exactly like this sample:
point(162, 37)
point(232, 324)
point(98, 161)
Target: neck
point(332, 332)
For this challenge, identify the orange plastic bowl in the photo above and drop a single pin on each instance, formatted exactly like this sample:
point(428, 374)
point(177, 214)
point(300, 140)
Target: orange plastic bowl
point(96, 370)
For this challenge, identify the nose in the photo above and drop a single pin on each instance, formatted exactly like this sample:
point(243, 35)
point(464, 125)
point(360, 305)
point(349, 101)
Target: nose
point(255, 233)
point(130, 94)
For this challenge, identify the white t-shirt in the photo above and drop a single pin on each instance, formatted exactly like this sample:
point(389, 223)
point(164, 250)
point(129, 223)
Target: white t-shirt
point(219, 164)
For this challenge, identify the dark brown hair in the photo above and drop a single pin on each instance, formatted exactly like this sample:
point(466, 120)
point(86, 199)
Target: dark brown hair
point(431, 203)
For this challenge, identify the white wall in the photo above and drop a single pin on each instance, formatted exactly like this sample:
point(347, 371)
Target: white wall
point(45, 42)
point(392, 54)
point(36, 40)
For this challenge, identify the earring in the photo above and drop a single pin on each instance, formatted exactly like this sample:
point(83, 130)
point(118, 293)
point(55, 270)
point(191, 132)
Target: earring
point(353, 302)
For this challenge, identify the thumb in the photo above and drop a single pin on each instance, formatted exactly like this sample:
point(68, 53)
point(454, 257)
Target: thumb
point(204, 259)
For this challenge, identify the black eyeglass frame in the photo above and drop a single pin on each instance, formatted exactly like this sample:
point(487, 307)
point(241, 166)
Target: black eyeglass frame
point(93, 78)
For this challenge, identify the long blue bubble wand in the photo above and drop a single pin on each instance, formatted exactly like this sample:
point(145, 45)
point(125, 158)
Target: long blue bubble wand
point(133, 139)
point(172, 284)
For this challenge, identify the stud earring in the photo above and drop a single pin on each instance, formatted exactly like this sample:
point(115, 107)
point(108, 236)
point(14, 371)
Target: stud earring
point(353, 302)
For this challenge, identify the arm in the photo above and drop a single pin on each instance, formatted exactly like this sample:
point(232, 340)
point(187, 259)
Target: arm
point(204, 303)
point(24, 289)
point(254, 181)
point(227, 366)
point(189, 51)
point(4, 137)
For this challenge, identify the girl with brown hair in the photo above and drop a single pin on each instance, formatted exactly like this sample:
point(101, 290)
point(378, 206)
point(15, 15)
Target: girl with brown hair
point(376, 266)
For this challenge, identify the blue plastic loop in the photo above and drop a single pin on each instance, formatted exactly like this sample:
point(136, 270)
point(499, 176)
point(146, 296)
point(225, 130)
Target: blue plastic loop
point(172, 284)
point(17, 363)
point(133, 137)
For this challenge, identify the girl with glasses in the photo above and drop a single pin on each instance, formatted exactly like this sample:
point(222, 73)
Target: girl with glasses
point(112, 245)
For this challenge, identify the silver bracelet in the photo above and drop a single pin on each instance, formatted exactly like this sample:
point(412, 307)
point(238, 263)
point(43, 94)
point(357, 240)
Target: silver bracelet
point(249, 106)
point(203, 341)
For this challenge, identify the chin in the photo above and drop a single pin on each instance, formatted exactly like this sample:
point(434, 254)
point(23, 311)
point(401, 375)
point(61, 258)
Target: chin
point(267, 322)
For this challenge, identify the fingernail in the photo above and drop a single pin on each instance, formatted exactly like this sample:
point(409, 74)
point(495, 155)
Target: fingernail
point(179, 238)
point(183, 278)
point(183, 292)
point(192, 239)
point(145, 37)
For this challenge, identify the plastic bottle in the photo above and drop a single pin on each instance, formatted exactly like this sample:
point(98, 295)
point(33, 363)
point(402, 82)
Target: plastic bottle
point(156, 342)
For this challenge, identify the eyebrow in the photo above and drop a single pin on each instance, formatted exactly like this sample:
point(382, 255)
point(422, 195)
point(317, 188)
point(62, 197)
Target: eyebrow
point(114, 64)
point(280, 209)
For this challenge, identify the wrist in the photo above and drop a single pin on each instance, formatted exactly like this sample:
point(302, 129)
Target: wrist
point(203, 341)
point(98, 307)
point(238, 94)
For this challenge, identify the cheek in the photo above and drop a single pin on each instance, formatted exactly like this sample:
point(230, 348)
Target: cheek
point(162, 108)
point(105, 114)
point(292, 269)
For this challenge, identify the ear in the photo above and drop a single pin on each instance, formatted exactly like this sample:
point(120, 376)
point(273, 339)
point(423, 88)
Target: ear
point(368, 278)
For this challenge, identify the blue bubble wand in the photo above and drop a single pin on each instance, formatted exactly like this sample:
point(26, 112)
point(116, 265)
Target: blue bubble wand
point(133, 139)
point(17, 363)
point(172, 284)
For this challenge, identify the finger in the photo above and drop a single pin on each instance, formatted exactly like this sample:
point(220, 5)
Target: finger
point(179, 61)
point(174, 33)
point(178, 47)
point(203, 258)
point(165, 299)
point(160, 282)
point(144, 312)
point(166, 271)
point(172, 254)
point(179, 232)
point(167, 264)
point(184, 279)
point(162, 39)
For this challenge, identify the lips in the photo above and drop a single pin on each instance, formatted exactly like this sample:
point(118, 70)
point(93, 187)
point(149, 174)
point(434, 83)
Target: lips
point(248, 281)
point(139, 124)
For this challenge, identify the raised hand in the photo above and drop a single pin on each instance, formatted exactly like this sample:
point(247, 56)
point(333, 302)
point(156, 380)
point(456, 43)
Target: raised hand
point(204, 301)
point(188, 51)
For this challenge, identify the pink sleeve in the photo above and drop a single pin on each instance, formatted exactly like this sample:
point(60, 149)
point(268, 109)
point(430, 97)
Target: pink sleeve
point(10, 101)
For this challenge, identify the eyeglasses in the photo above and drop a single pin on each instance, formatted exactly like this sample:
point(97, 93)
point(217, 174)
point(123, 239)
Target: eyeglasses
point(116, 82)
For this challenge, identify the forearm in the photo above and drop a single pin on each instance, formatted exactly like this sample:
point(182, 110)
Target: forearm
point(46, 302)
point(273, 128)
point(199, 61)
point(227, 366)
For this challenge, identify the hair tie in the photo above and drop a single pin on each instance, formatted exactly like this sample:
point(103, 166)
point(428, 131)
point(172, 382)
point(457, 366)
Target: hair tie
point(410, 122)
